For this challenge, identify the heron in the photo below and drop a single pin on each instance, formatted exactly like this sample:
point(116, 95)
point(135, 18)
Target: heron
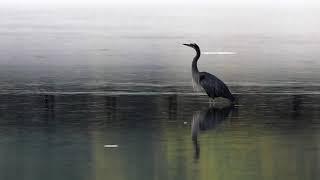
point(213, 86)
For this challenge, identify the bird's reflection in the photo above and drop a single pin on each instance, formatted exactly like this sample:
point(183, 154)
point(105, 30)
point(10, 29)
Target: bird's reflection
point(205, 120)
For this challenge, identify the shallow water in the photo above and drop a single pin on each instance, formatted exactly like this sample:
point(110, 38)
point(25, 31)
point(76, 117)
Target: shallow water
point(63, 137)
point(74, 81)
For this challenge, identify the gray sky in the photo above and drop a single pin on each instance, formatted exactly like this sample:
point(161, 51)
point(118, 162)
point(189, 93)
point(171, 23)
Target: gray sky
point(275, 3)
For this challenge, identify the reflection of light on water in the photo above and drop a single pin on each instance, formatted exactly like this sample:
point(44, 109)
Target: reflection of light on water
point(220, 53)
point(111, 146)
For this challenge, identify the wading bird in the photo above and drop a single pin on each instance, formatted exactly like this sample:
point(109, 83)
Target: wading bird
point(212, 85)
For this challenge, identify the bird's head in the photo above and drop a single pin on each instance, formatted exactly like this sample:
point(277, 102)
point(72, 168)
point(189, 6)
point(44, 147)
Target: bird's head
point(193, 45)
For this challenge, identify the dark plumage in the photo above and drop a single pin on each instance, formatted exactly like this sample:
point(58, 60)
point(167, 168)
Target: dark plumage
point(212, 85)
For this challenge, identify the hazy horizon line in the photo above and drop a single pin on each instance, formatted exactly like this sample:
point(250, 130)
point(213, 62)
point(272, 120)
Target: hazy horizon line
point(123, 3)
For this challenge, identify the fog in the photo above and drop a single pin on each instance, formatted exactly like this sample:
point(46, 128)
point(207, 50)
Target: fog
point(233, 3)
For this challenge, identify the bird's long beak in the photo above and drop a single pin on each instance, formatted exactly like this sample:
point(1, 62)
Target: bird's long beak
point(187, 45)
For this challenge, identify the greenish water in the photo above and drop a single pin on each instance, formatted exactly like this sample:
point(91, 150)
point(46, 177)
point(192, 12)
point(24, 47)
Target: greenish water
point(63, 137)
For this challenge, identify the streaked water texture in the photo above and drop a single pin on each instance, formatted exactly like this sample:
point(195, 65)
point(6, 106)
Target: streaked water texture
point(63, 137)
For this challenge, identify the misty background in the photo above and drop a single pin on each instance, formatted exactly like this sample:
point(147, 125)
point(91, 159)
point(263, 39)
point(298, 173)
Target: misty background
point(73, 47)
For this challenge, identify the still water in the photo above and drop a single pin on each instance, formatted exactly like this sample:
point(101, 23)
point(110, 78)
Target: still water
point(73, 80)
point(159, 137)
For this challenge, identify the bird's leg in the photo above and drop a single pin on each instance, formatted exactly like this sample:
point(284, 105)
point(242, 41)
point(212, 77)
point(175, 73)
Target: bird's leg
point(210, 101)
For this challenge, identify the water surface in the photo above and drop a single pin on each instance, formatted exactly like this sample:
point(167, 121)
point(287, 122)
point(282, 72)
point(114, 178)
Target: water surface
point(63, 137)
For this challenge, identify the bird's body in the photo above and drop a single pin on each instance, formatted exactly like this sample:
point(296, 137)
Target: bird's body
point(212, 85)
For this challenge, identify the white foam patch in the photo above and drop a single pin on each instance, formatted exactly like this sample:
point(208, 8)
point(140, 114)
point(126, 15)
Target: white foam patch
point(110, 146)
point(220, 53)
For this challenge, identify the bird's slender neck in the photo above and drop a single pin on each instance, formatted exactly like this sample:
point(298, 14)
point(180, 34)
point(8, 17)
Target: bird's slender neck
point(195, 70)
